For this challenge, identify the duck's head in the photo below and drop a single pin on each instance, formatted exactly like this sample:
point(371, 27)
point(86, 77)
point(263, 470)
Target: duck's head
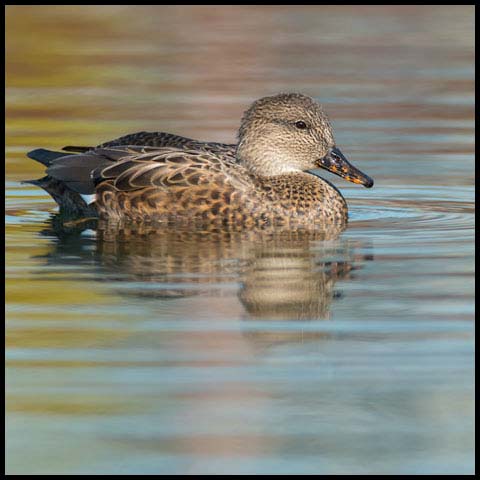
point(289, 132)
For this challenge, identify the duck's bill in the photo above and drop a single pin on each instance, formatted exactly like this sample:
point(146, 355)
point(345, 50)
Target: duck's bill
point(336, 163)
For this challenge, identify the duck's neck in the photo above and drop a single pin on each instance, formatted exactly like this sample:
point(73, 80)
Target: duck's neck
point(261, 161)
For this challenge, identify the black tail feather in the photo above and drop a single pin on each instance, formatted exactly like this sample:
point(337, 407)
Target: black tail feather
point(70, 202)
point(66, 194)
point(45, 157)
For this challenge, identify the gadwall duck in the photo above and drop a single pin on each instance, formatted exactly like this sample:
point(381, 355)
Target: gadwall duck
point(265, 179)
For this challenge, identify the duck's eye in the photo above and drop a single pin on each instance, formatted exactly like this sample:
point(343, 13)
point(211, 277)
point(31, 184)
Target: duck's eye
point(301, 125)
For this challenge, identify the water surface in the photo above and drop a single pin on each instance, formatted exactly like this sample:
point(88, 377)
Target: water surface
point(277, 352)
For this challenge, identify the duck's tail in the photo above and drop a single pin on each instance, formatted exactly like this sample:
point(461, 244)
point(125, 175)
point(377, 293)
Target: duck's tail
point(71, 203)
point(44, 156)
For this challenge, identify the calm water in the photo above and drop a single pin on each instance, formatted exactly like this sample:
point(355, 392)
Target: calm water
point(186, 352)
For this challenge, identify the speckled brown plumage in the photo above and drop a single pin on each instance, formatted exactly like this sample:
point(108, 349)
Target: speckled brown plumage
point(263, 180)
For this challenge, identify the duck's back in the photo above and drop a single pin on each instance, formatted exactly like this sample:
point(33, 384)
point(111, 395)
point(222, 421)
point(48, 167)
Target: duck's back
point(163, 140)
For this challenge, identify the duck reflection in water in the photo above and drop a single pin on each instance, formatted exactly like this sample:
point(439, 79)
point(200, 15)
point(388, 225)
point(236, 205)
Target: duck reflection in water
point(282, 275)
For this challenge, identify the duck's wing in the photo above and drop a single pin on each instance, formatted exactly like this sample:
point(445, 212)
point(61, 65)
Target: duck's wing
point(160, 140)
point(133, 167)
point(165, 168)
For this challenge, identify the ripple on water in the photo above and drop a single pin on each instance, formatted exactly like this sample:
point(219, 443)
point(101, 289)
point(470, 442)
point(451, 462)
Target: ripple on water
point(405, 218)
point(414, 212)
